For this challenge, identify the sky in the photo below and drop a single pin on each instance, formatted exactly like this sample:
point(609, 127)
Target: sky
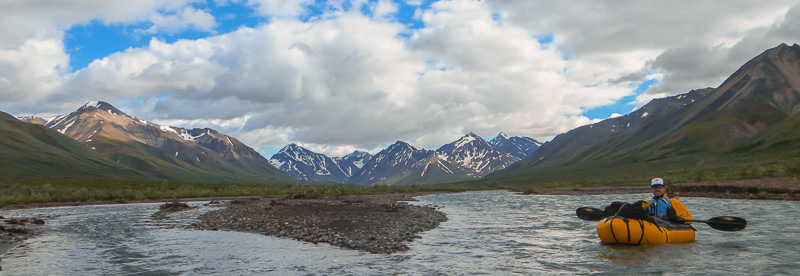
point(343, 75)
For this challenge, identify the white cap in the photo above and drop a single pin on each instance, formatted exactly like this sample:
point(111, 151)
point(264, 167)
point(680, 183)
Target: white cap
point(657, 181)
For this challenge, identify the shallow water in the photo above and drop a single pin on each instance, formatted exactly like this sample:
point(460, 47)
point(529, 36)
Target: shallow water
point(490, 233)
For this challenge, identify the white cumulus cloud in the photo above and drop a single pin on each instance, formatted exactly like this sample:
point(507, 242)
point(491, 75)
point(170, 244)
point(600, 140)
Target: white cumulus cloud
point(336, 76)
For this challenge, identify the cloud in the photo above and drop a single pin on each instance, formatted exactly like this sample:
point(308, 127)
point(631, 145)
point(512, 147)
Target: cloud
point(414, 3)
point(186, 18)
point(33, 64)
point(344, 80)
point(384, 8)
point(31, 71)
point(694, 45)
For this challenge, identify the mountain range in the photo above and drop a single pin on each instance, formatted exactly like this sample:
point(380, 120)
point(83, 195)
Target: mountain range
point(746, 127)
point(157, 152)
point(466, 158)
point(132, 148)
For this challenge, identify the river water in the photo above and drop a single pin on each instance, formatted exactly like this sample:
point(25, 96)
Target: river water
point(488, 233)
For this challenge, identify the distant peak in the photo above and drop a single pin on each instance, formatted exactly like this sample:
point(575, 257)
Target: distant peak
point(97, 104)
point(780, 50)
point(290, 147)
point(101, 105)
point(92, 104)
point(467, 139)
point(358, 153)
point(501, 135)
point(400, 143)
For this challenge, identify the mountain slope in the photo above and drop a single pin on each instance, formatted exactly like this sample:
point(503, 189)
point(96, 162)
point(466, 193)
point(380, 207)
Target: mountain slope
point(306, 165)
point(472, 153)
point(34, 152)
point(164, 152)
point(564, 146)
point(402, 164)
point(748, 120)
point(352, 163)
point(519, 147)
point(762, 93)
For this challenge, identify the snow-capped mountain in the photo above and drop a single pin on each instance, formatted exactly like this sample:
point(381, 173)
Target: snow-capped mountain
point(402, 163)
point(472, 153)
point(164, 151)
point(468, 157)
point(519, 147)
point(352, 163)
point(388, 163)
point(303, 164)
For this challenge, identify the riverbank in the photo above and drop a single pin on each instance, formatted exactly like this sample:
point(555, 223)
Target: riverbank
point(14, 231)
point(784, 188)
point(380, 223)
point(84, 203)
point(373, 223)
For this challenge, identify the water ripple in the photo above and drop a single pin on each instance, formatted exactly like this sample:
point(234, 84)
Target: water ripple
point(488, 233)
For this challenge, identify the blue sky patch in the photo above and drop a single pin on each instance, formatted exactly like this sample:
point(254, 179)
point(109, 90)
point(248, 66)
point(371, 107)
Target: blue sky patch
point(85, 43)
point(544, 38)
point(622, 106)
point(95, 40)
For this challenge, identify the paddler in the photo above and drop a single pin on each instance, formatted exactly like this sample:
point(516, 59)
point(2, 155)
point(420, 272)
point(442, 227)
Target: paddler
point(664, 206)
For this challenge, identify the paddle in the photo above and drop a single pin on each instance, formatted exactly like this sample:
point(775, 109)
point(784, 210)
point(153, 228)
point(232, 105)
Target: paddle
point(589, 213)
point(724, 223)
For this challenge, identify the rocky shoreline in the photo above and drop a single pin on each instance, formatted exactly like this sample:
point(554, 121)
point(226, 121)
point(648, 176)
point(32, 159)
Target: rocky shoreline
point(783, 188)
point(372, 223)
point(14, 231)
point(378, 223)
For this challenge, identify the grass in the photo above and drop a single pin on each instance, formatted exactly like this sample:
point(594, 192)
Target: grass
point(675, 170)
point(771, 156)
point(589, 175)
point(121, 191)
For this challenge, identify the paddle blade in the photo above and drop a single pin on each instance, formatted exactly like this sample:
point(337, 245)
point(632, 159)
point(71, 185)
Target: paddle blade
point(589, 213)
point(727, 223)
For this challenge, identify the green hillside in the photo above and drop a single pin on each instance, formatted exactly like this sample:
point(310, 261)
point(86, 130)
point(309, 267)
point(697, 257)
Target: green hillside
point(746, 128)
point(34, 152)
point(163, 165)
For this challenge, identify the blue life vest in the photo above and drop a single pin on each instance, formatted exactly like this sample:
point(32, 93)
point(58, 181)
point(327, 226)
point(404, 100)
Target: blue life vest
point(658, 207)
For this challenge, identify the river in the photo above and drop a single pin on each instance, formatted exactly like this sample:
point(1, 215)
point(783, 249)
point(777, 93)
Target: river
point(488, 233)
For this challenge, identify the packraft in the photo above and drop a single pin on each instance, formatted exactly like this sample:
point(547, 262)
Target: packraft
point(617, 229)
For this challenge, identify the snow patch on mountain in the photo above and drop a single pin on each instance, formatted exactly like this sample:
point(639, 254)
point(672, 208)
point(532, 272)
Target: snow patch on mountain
point(64, 130)
point(167, 129)
point(94, 104)
point(185, 135)
point(465, 140)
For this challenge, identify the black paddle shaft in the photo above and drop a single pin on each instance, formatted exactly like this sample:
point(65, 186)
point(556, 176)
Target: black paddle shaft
point(590, 214)
point(724, 223)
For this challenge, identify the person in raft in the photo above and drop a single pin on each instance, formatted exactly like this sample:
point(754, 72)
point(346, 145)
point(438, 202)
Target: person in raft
point(663, 206)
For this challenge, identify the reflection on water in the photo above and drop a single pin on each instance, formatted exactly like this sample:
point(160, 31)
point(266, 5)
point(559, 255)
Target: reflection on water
point(493, 232)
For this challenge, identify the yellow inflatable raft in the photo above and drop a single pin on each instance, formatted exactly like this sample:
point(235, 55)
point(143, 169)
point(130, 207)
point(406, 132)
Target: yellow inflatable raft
point(636, 231)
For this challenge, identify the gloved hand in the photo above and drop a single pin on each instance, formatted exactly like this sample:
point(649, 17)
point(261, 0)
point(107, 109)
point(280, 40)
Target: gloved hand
point(674, 218)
